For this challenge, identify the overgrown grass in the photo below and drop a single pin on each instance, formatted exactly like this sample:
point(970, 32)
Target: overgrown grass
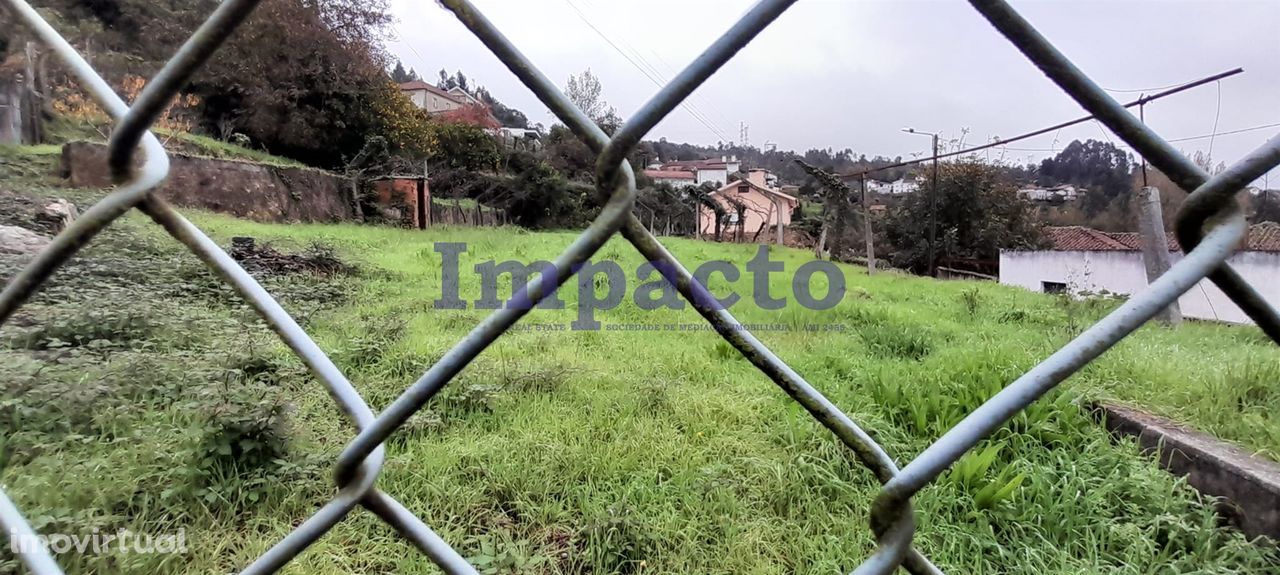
point(214, 148)
point(612, 451)
point(63, 130)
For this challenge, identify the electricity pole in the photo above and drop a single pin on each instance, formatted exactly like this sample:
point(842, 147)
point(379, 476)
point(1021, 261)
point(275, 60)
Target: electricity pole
point(933, 199)
point(867, 236)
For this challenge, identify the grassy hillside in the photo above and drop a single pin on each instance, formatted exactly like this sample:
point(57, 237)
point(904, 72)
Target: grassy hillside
point(65, 130)
point(145, 396)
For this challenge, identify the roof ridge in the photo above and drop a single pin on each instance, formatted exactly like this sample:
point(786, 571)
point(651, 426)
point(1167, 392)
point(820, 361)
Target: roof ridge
point(1107, 237)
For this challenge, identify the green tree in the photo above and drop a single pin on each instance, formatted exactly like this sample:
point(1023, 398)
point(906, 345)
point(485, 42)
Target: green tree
point(399, 75)
point(301, 77)
point(1099, 166)
point(466, 147)
point(456, 80)
point(585, 91)
point(1265, 206)
point(978, 213)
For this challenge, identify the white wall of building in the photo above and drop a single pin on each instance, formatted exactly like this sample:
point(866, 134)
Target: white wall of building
point(903, 186)
point(1123, 272)
point(431, 102)
point(720, 176)
point(676, 182)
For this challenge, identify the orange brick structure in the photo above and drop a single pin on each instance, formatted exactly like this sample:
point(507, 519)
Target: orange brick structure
point(409, 195)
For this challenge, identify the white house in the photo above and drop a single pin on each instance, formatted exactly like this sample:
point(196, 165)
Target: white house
point(432, 99)
point(878, 187)
point(519, 138)
point(463, 96)
point(1083, 260)
point(1061, 193)
point(707, 170)
point(903, 186)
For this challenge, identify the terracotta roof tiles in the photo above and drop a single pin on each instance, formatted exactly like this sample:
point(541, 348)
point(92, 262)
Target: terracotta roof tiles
point(1263, 237)
point(671, 174)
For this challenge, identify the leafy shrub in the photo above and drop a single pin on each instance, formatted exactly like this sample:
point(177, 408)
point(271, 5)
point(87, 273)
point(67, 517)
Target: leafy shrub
point(109, 324)
point(243, 431)
point(467, 397)
point(367, 347)
point(618, 542)
point(970, 473)
point(892, 340)
point(500, 557)
point(972, 300)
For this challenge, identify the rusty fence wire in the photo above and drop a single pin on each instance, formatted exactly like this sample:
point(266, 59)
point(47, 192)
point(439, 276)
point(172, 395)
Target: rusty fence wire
point(1209, 225)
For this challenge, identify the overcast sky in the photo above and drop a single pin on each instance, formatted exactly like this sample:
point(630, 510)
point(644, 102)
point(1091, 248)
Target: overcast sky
point(851, 74)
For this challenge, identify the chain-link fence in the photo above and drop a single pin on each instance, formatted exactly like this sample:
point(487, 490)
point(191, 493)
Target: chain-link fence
point(1209, 225)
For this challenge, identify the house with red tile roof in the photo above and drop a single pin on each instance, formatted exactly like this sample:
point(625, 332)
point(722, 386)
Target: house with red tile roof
point(764, 208)
point(454, 105)
point(1081, 261)
point(708, 170)
point(673, 177)
point(430, 98)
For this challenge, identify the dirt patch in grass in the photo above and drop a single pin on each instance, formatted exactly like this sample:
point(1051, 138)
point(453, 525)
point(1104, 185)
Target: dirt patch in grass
point(318, 259)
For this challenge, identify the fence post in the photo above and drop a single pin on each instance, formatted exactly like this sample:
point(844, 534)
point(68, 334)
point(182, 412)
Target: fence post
point(32, 106)
point(10, 112)
point(1155, 248)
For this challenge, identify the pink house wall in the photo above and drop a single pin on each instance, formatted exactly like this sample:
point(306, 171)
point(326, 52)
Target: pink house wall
point(760, 210)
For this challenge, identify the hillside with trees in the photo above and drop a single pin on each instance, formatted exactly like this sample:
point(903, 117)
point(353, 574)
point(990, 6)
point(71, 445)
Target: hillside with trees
point(310, 80)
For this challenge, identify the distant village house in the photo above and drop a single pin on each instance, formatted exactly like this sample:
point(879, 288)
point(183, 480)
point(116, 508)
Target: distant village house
point(1062, 193)
point(904, 186)
point(454, 104)
point(765, 207)
point(675, 178)
point(716, 171)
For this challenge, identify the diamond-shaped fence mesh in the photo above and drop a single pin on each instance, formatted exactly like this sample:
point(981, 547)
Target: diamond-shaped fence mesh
point(1209, 225)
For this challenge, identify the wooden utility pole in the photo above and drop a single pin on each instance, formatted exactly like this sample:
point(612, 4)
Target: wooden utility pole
point(777, 208)
point(837, 197)
point(1155, 248)
point(866, 229)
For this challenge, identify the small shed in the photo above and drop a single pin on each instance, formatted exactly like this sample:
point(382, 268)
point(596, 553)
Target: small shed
point(405, 198)
point(1083, 261)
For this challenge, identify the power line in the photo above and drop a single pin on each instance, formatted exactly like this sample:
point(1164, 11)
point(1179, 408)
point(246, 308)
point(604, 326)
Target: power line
point(1142, 90)
point(1171, 140)
point(1227, 133)
point(1216, 113)
point(695, 96)
point(406, 43)
point(1000, 142)
point(689, 103)
point(646, 73)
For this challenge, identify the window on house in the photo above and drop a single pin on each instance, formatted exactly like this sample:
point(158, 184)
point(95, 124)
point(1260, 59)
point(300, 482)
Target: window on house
point(1053, 287)
point(744, 188)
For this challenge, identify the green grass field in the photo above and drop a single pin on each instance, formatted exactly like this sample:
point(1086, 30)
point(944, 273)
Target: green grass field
point(144, 395)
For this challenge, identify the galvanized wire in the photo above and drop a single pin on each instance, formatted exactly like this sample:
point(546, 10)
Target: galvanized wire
point(1208, 225)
